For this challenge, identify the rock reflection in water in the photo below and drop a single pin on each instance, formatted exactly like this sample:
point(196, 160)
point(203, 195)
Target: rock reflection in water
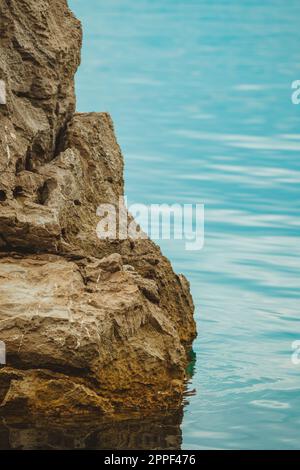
point(159, 432)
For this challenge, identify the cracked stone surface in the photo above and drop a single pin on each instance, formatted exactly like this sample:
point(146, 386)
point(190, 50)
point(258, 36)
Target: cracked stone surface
point(90, 326)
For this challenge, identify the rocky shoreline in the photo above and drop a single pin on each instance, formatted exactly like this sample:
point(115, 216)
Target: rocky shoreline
point(90, 326)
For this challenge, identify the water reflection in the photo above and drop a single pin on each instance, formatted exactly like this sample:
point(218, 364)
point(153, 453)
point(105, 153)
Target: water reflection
point(161, 432)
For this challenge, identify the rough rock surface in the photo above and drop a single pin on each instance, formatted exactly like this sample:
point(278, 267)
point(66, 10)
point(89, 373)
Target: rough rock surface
point(89, 325)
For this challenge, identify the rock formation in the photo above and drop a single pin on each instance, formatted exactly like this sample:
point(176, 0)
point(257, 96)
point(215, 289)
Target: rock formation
point(90, 326)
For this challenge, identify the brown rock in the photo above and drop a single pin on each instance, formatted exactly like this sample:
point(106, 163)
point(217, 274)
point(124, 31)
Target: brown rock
point(88, 324)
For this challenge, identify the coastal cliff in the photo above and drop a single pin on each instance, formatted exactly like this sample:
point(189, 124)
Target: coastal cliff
point(90, 325)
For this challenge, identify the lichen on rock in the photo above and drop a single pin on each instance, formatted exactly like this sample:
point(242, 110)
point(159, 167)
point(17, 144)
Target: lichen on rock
point(89, 325)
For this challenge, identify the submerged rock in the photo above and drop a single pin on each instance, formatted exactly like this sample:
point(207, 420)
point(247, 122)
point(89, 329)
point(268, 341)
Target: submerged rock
point(89, 325)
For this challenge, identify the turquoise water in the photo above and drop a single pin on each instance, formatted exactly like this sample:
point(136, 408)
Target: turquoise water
point(200, 93)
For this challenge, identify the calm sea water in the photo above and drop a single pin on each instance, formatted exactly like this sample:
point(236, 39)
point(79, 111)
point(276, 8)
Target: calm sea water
point(200, 93)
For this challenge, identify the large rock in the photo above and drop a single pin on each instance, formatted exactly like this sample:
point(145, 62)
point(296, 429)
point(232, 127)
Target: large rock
point(88, 324)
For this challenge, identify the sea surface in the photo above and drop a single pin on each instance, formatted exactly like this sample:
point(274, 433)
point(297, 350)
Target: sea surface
point(200, 94)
